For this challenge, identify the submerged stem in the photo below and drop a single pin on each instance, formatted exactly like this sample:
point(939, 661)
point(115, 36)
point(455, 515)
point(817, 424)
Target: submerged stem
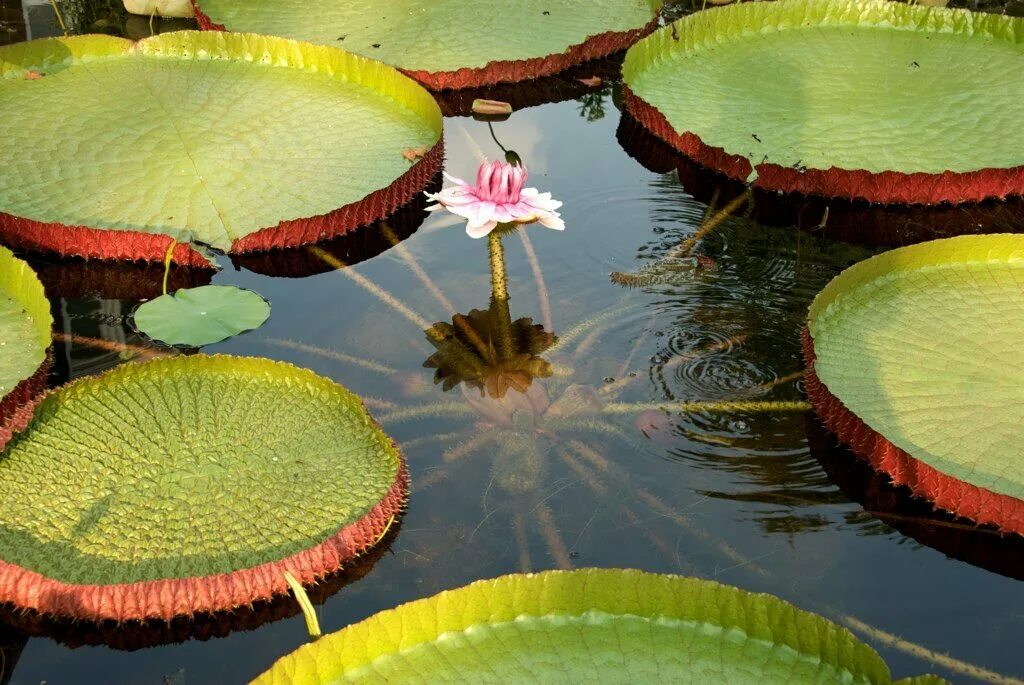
point(937, 658)
point(522, 542)
point(330, 354)
point(111, 345)
point(60, 17)
point(711, 224)
point(538, 277)
point(371, 287)
point(553, 539)
point(426, 411)
point(414, 265)
point(707, 406)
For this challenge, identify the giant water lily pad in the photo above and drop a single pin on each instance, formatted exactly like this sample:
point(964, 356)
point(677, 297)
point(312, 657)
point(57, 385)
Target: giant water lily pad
point(25, 324)
point(158, 632)
point(190, 484)
point(114, 149)
point(201, 316)
point(608, 626)
point(914, 359)
point(868, 99)
point(450, 43)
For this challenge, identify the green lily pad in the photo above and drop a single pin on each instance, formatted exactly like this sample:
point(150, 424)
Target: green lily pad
point(190, 484)
point(922, 345)
point(201, 316)
point(202, 137)
point(25, 322)
point(593, 625)
point(904, 89)
point(442, 35)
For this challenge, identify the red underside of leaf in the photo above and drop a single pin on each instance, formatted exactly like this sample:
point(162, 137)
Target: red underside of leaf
point(168, 599)
point(507, 71)
point(25, 394)
point(95, 243)
point(887, 187)
point(510, 71)
point(71, 278)
point(377, 205)
point(945, 492)
point(199, 626)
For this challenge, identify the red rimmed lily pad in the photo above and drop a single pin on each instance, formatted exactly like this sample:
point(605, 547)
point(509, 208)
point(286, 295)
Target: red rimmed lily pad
point(450, 43)
point(25, 335)
point(912, 104)
point(913, 359)
point(189, 485)
point(234, 141)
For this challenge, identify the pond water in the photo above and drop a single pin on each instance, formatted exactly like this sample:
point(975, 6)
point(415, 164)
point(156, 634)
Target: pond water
point(597, 464)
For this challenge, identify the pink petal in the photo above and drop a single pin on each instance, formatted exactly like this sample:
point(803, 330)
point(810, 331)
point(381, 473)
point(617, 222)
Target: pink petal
point(484, 213)
point(504, 213)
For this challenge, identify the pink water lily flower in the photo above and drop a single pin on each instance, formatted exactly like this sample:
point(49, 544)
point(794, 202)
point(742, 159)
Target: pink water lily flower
point(497, 198)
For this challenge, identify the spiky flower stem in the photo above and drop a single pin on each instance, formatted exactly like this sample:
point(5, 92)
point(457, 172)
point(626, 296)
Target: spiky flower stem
point(499, 293)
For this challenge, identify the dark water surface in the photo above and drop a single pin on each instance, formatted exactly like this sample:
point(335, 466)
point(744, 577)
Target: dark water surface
point(586, 469)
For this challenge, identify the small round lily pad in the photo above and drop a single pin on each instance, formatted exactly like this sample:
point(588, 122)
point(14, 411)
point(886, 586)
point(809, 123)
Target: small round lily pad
point(914, 359)
point(450, 43)
point(200, 316)
point(115, 149)
point(592, 625)
point(190, 484)
point(861, 99)
point(25, 333)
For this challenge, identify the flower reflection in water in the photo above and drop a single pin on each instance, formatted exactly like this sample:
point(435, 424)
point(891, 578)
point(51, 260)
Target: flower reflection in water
point(538, 430)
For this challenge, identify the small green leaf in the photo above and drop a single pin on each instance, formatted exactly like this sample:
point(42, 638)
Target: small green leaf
point(201, 316)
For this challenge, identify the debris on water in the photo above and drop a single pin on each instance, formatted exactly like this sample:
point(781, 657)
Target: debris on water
point(414, 153)
point(591, 81)
point(33, 75)
point(706, 263)
point(493, 107)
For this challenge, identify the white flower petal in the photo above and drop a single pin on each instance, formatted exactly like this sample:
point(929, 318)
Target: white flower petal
point(456, 181)
point(552, 220)
point(542, 205)
point(481, 230)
